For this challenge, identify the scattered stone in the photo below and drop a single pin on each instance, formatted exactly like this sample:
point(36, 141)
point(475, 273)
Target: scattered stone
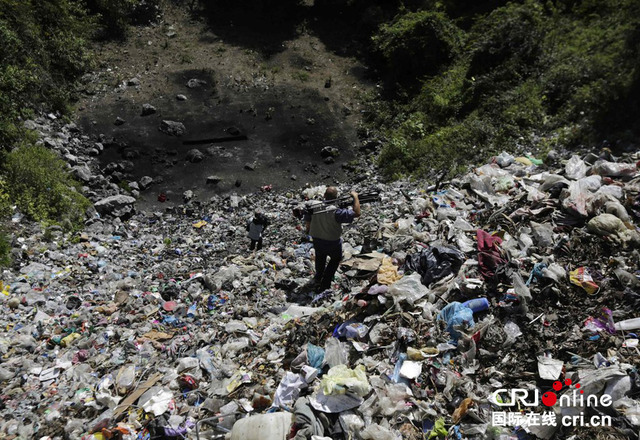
point(148, 109)
point(133, 82)
point(238, 183)
point(329, 152)
point(172, 128)
point(187, 196)
point(181, 97)
point(82, 172)
point(145, 182)
point(195, 155)
point(250, 166)
point(119, 121)
point(195, 83)
point(213, 180)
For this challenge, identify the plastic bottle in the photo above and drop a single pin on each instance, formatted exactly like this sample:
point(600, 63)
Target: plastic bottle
point(628, 324)
point(477, 305)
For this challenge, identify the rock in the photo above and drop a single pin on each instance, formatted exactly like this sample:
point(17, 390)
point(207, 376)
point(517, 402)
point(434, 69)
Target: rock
point(134, 185)
point(171, 34)
point(181, 97)
point(329, 160)
point(238, 183)
point(194, 83)
point(233, 131)
point(148, 109)
point(93, 152)
point(71, 159)
point(250, 166)
point(118, 121)
point(99, 146)
point(329, 152)
point(172, 128)
point(30, 125)
point(82, 172)
point(145, 182)
point(187, 196)
point(195, 155)
point(133, 82)
point(213, 180)
point(115, 205)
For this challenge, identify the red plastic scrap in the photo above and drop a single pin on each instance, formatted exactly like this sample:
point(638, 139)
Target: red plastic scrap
point(489, 255)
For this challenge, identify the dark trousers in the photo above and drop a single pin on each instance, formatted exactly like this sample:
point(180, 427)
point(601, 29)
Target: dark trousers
point(254, 242)
point(324, 271)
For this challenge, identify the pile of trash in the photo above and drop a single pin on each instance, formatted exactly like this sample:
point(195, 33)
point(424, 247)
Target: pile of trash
point(501, 306)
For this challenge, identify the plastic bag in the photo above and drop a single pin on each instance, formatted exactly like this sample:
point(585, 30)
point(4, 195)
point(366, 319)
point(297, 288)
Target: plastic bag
point(377, 432)
point(126, 378)
point(505, 159)
point(435, 263)
point(387, 272)
point(340, 379)
point(409, 288)
point(613, 169)
point(456, 314)
point(575, 168)
point(335, 353)
point(582, 278)
point(543, 234)
point(612, 226)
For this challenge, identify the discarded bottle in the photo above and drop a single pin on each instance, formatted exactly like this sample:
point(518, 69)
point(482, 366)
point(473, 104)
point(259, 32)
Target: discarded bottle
point(628, 324)
point(477, 305)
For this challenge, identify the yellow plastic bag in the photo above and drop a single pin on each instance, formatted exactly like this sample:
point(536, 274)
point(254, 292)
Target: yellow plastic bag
point(341, 379)
point(387, 272)
point(581, 277)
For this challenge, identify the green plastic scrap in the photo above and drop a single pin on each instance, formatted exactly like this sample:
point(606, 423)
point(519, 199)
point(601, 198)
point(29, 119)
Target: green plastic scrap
point(438, 429)
point(534, 161)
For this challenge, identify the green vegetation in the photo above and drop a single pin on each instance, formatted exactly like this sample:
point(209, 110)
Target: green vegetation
point(37, 181)
point(525, 75)
point(44, 49)
point(5, 249)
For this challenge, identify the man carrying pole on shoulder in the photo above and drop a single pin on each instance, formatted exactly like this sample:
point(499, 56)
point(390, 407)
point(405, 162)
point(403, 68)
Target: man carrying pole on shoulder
point(324, 223)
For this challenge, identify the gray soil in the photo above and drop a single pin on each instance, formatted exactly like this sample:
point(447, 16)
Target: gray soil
point(290, 103)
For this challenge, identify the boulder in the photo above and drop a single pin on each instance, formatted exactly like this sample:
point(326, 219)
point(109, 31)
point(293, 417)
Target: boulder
point(118, 205)
point(82, 172)
point(145, 182)
point(172, 128)
point(195, 155)
point(148, 109)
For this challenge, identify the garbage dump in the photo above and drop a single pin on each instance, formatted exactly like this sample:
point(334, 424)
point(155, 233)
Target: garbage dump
point(505, 305)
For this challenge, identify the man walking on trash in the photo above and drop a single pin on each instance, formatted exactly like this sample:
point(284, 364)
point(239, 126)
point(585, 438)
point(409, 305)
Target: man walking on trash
point(324, 223)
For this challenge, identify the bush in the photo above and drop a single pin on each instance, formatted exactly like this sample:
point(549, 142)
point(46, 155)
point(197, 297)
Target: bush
point(43, 50)
point(418, 43)
point(5, 249)
point(38, 182)
point(529, 75)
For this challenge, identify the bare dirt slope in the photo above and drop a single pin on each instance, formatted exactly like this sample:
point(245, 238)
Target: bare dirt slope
point(291, 96)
